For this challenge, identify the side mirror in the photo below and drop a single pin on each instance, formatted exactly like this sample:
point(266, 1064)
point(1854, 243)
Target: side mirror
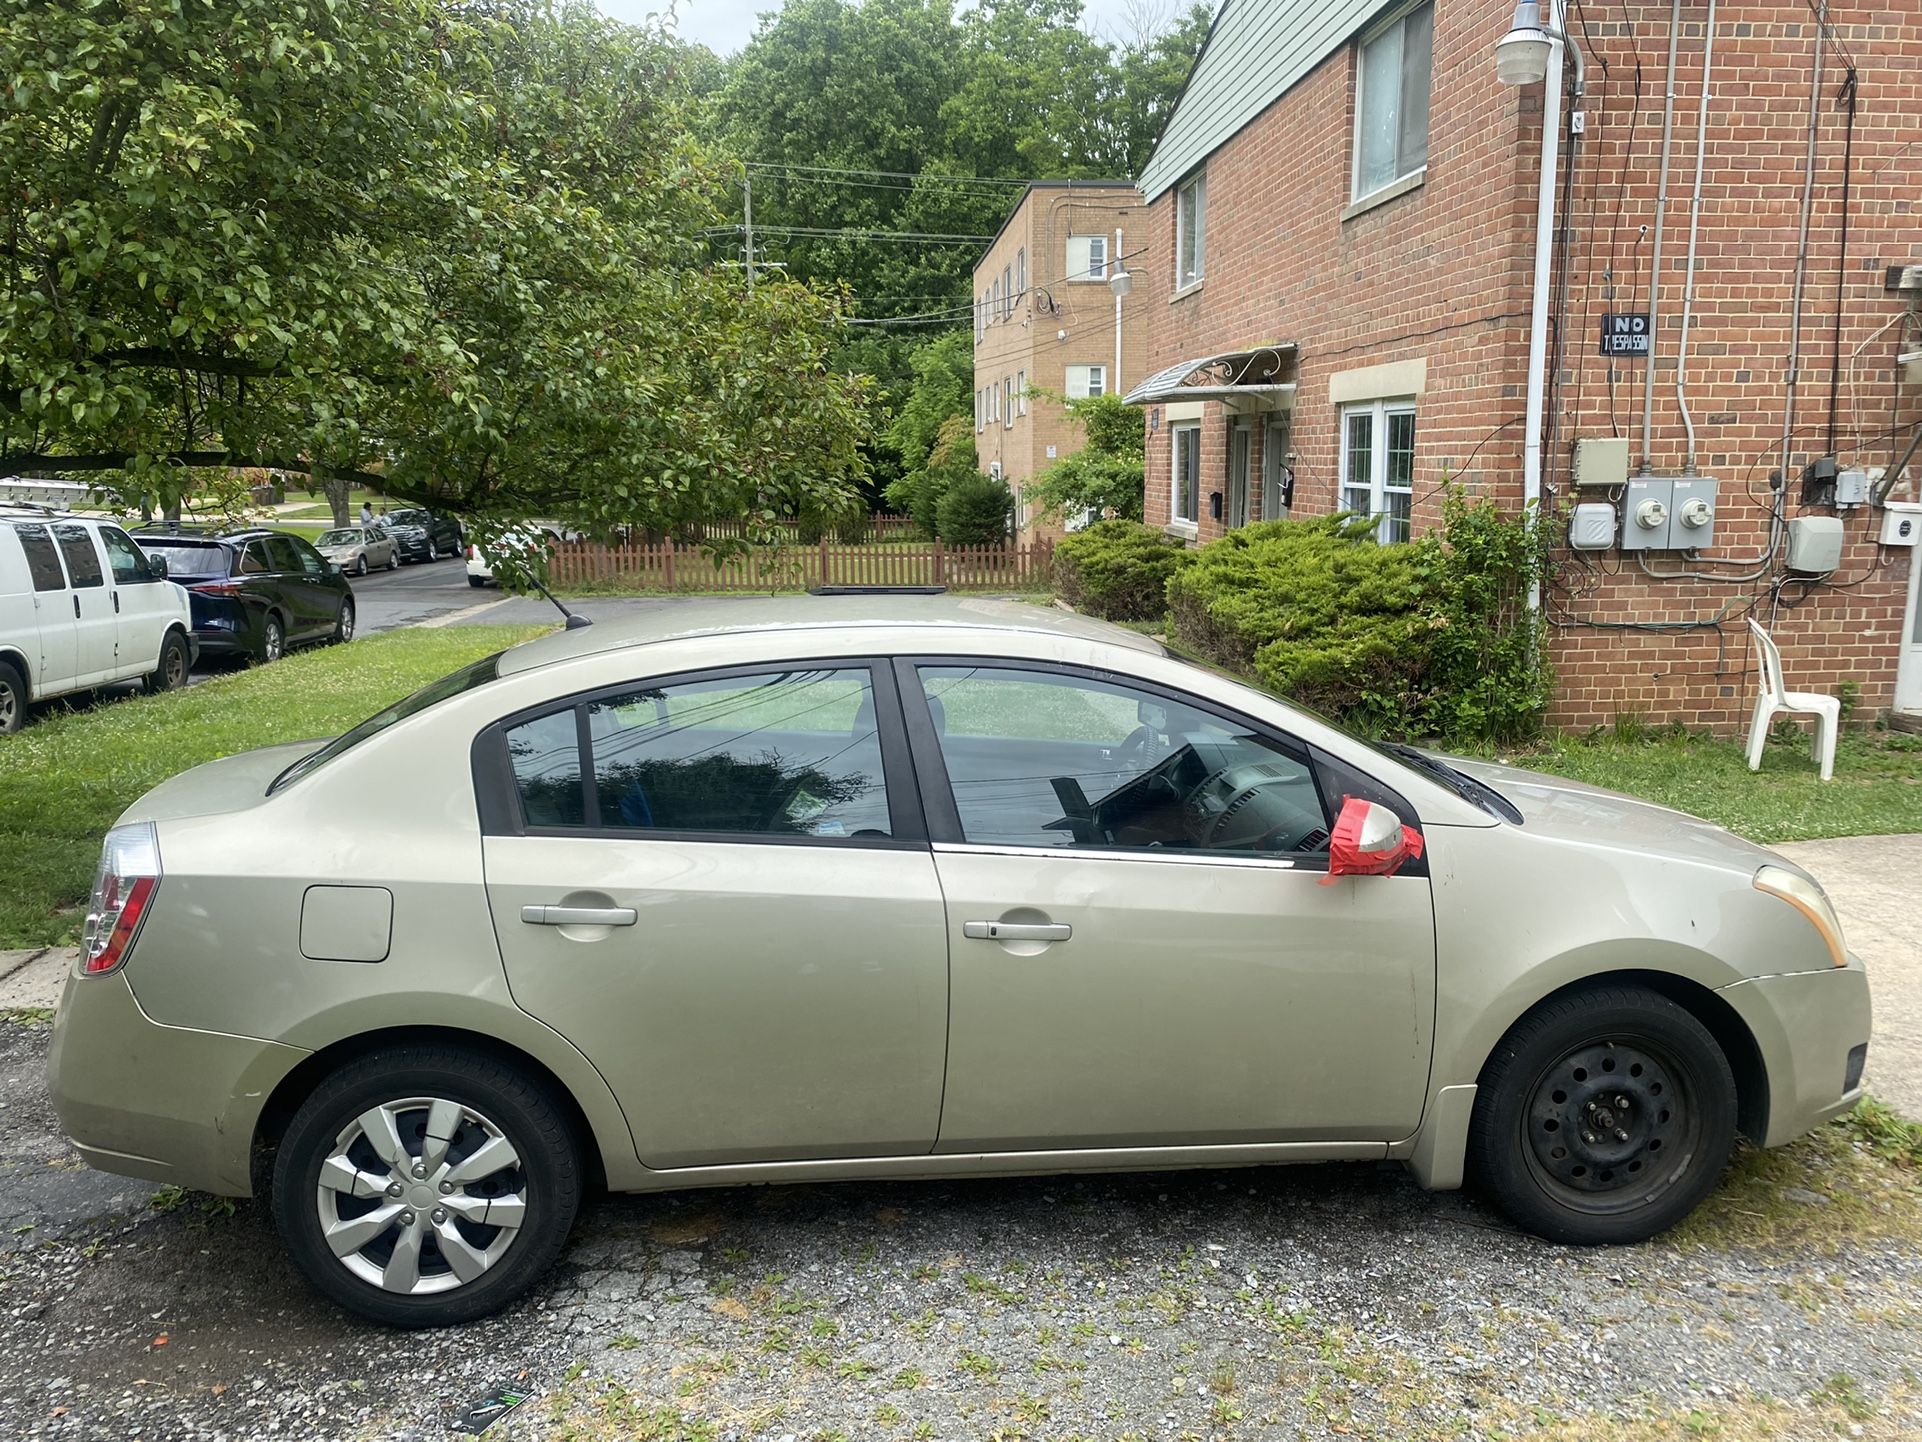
point(156, 566)
point(1369, 840)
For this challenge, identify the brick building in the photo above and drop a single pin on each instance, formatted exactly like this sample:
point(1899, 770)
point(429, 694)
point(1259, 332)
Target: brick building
point(1341, 236)
point(1044, 325)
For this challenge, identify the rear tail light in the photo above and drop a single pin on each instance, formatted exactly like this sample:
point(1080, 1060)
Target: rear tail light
point(473, 553)
point(219, 588)
point(122, 887)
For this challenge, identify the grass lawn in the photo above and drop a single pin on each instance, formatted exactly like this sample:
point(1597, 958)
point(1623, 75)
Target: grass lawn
point(1877, 788)
point(66, 778)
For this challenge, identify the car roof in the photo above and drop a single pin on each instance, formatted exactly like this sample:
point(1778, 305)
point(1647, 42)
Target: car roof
point(682, 620)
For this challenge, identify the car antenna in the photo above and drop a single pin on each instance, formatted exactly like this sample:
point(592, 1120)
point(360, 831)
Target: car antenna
point(575, 620)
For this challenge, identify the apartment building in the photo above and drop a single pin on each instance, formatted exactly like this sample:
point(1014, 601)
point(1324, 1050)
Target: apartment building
point(1343, 229)
point(1045, 320)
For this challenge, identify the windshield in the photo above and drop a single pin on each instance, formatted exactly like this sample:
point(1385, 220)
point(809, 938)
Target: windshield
point(184, 559)
point(338, 538)
point(432, 694)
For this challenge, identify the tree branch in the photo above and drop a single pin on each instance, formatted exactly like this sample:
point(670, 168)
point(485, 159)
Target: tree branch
point(17, 462)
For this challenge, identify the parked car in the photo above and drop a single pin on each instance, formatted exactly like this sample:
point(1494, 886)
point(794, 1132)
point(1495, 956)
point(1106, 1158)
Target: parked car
point(358, 549)
point(81, 607)
point(526, 541)
point(423, 535)
point(911, 887)
point(254, 592)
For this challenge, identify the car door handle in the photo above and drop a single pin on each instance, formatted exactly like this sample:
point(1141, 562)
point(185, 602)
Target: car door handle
point(1017, 930)
point(578, 915)
point(76, 605)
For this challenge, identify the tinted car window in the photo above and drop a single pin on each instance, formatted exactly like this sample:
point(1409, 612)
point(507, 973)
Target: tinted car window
point(43, 562)
point(306, 557)
point(83, 561)
point(283, 554)
point(781, 753)
point(185, 559)
point(546, 756)
point(129, 565)
point(1038, 758)
point(253, 560)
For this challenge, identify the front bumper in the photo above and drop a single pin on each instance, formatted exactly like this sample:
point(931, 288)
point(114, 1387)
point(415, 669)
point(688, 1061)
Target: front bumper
point(168, 1103)
point(1806, 1024)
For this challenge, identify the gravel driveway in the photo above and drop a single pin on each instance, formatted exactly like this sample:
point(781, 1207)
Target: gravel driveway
point(1328, 1300)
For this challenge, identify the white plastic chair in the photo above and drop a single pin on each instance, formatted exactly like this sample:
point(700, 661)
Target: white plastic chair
point(1776, 699)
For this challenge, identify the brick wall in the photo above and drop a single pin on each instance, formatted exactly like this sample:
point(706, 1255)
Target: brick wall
point(1440, 274)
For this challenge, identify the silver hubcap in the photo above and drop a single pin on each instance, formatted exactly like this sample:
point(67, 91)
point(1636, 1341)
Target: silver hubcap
point(346, 622)
point(421, 1195)
point(272, 646)
point(7, 705)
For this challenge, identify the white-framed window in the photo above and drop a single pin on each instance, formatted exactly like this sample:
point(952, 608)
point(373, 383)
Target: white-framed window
point(1184, 477)
point(1378, 465)
point(1085, 381)
point(980, 412)
point(1021, 393)
point(1007, 402)
point(1191, 230)
point(980, 316)
point(1007, 291)
point(1020, 273)
point(1391, 100)
point(1087, 258)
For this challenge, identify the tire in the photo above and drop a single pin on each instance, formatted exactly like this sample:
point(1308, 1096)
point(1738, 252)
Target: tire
point(360, 569)
point(13, 699)
point(488, 1101)
point(476, 582)
point(273, 640)
point(344, 622)
point(1584, 1170)
point(393, 560)
point(433, 549)
point(170, 674)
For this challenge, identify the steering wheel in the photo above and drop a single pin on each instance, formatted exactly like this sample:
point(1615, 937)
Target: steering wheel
point(1140, 746)
point(1286, 837)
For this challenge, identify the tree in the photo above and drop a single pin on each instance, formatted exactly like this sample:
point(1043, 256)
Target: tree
point(942, 388)
point(1104, 477)
point(454, 240)
point(976, 510)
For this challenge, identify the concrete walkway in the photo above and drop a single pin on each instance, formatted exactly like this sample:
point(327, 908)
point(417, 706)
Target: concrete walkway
point(1876, 885)
point(1875, 882)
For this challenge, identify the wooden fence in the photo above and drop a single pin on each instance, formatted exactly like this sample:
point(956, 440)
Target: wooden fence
point(877, 527)
point(672, 566)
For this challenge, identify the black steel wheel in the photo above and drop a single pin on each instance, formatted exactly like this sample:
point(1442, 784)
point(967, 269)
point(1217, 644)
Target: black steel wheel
point(1603, 1117)
point(171, 672)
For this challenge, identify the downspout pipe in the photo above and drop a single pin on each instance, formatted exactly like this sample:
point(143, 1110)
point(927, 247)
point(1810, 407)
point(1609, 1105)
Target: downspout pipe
point(1544, 259)
point(1802, 256)
point(1661, 212)
point(1694, 226)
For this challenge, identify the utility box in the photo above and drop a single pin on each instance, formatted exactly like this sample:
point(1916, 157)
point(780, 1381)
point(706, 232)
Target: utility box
point(1645, 516)
point(1851, 487)
point(1601, 461)
point(1691, 514)
point(1901, 523)
point(1815, 545)
point(1592, 527)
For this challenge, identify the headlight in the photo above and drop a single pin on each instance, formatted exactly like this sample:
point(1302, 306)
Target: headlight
point(1809, 899)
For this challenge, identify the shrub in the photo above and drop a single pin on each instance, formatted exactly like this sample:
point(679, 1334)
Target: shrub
point(1433, 637)
point(1117, 570)
point(1104, 475)
point(975, 510)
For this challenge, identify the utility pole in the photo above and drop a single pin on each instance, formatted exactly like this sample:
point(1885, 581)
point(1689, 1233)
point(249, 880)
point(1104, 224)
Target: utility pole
point(747, 215)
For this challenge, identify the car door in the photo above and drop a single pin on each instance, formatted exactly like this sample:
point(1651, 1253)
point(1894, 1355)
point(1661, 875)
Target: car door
point(144, 605)
point(307, 610)
point(325, 589)
point(95, 627)
point(1144, 953)
point(718, 887)
point(57, 644)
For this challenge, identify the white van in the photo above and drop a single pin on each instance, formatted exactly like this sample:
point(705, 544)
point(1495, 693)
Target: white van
point(82, 606)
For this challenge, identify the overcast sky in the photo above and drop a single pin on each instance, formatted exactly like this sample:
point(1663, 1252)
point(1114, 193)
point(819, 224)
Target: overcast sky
point(724, 26)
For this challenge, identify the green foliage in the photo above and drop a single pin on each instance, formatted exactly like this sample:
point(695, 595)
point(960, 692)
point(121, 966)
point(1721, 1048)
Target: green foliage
point(1105, 475)
point(940, 396)
point(1117, 570)
point(1434, 637)
point(458, 245)
point(976, 510)
point(952, 458)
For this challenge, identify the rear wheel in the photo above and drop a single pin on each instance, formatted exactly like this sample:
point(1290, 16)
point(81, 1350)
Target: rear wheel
point(426, 1186)
point(273, 639)
point(1603, 1117)
point(13, 699)
point(171, 673)
point(476, 582)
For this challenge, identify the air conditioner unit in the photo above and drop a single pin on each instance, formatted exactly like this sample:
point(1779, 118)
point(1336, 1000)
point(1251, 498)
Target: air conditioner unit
point(994, 469)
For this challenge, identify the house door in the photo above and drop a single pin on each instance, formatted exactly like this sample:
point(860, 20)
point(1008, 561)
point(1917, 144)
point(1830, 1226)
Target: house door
point(1240, 435)
point(1277, 476)
point(1908, 674)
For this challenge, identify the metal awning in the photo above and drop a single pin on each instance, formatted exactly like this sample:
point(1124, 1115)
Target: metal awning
point(1231, 374)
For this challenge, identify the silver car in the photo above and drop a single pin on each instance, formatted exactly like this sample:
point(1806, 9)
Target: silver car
point(359, 549)
point(819, 888)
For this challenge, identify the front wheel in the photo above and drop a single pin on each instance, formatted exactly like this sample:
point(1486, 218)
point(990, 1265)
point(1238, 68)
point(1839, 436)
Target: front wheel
point(1603, 1117)
point(360, 565)
point(426, 1186)
point(171, 673)
point(344, 622)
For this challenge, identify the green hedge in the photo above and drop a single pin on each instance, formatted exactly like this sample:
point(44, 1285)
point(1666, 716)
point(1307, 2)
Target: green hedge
point(1431, 638)
point(1117, 570)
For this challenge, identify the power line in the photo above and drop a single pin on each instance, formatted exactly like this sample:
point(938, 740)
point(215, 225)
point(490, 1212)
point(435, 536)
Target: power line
point(889, 174)
point(853, 233)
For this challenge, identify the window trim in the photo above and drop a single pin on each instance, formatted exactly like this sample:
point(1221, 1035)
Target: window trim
point(1092, 273)
point(1086, 393)
point(1186, 278)
point(1378, 411)
point(1175, 430)
point(1360, 200)
point(498, 799)
point(943, 817)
